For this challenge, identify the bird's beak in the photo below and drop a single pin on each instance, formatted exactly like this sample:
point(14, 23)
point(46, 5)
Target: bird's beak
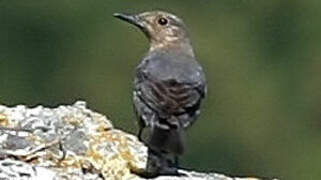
point(130, 18)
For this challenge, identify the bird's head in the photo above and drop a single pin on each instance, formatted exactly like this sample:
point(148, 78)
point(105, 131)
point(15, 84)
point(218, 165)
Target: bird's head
point(162, 28)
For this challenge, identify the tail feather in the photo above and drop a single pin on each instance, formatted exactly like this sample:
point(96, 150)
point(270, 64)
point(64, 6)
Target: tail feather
point(167, 140)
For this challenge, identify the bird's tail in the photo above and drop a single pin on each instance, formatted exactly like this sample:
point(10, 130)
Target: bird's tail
point(167, 140)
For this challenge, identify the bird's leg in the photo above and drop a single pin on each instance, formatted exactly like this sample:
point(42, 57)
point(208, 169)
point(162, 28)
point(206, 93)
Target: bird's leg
point(176, 161)
point(173, 162)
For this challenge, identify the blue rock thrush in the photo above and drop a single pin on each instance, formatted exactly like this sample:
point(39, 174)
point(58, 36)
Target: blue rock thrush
point(169, 84)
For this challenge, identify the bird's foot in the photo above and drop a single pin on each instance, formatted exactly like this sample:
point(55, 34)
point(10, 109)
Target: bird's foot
point(164, 171)
point(158, 165)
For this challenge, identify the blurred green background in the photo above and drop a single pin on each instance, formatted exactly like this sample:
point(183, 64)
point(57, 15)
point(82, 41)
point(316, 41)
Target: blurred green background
point(262, 58)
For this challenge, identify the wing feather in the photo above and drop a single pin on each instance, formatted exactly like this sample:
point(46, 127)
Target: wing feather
point(170, 96)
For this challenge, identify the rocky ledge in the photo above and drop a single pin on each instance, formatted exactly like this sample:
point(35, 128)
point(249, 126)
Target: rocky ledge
point(72, 142)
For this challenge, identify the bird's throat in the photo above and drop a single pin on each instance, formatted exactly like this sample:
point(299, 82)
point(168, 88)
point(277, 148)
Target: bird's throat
point(177, 45)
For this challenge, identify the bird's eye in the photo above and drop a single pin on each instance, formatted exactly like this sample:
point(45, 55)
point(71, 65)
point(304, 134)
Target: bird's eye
point(162, 21)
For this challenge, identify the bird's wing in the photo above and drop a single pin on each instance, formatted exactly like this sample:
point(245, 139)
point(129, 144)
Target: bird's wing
point(170, 97)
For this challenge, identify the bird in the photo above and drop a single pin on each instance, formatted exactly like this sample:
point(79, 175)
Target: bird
point(169, 84)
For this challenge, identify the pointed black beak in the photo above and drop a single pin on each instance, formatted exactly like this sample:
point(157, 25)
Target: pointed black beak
point(130, 18)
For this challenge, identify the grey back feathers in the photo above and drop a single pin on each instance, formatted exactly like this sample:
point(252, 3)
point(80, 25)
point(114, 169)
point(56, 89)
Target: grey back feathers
point(171, 84)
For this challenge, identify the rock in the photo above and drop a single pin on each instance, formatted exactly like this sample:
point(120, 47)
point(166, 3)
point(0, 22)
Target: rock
point(71, 142)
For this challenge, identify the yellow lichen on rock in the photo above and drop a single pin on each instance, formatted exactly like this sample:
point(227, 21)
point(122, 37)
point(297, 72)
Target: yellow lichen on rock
point(3, 120)
point(111, 153)
point(116, 168)
point(103, 123)
point(108, 154)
